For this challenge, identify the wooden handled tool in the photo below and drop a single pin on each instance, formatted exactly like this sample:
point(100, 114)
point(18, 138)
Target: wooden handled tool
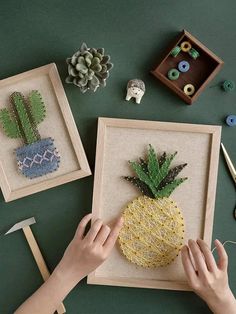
point(25, 226)
point(232, 170)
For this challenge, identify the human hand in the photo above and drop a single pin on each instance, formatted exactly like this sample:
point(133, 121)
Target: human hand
point(86, 252)
point(207, 278)
point(83, 255)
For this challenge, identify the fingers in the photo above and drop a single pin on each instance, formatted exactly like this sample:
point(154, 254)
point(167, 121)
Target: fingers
point(102, 234)
point(82, 225)
point(111, 240)
point(188, 266)
point(209, 258)
point(98, 232)
point(223, 257)
point(197, 257)
point(95, 228)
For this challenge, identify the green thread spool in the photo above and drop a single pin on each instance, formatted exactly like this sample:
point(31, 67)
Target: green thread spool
point(194, 53)
point(228, 86)
point(175, 51)
point(173, 74)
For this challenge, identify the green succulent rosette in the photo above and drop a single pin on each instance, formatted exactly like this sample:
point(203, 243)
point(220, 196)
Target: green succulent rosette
point(88, 68)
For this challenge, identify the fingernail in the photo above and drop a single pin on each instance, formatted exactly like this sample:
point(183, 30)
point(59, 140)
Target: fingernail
point(120, 220)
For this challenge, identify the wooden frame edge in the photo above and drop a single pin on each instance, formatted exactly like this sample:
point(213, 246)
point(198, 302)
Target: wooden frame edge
point(203, 47)
point(147, 124)
point(215, 132)
point(138, 283)
point(101, 132)
point(52, 72)
point(5, 188)
point(51, 183)
point(67, 115)
point(212, 185)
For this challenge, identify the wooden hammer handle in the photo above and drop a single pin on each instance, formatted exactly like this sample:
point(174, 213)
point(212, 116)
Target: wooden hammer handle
point(39, 260)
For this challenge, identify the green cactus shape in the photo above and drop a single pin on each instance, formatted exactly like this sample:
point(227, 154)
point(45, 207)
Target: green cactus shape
point(88, 68)
point(26, 114)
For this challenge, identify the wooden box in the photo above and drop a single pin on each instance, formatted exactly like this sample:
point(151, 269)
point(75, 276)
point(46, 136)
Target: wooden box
point(201, 72)
point(121, 140)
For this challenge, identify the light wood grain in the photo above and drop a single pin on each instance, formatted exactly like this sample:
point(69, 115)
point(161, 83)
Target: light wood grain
point(39, 260)
point(209, 180)
point(51, 77)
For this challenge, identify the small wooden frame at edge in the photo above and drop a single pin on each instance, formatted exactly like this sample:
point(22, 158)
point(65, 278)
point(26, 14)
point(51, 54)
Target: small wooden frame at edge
point(84, 170)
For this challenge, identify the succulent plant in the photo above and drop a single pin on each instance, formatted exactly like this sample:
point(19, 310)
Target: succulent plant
point(88, 68)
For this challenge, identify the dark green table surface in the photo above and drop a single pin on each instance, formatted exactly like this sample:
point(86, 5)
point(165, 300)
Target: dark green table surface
point(35, 33)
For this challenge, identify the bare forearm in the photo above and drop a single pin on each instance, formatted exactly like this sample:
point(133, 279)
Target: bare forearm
point(225, 304)
point(84, 254)
point(49, 296)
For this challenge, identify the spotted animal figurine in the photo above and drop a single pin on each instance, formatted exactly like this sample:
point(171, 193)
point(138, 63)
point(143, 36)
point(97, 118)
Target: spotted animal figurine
point(135, 89)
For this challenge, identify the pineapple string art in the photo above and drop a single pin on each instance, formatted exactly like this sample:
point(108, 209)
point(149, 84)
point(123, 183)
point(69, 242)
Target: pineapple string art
point(153, 230)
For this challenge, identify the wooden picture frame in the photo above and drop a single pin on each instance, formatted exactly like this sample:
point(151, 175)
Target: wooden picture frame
point(201, 72)
point(120, 140)
point(59, 124)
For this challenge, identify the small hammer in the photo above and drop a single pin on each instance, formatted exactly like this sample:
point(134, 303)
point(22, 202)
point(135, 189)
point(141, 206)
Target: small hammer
point(25, 226)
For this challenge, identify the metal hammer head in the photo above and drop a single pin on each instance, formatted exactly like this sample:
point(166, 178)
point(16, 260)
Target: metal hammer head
point(22, 224)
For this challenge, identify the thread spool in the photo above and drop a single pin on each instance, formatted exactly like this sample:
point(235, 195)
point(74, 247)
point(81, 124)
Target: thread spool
point(194, 53)
point(175, 51)
point(228, 86)
point(183, 66)
point(173, 74)
point(186, 46)
point(189, 89)
point(231, 120)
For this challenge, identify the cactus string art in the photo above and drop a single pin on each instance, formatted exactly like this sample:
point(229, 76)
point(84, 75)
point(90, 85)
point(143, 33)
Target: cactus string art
point(38, 156)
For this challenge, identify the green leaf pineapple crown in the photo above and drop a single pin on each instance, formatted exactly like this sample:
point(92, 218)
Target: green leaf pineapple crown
point(154, 178)
point(26, 114)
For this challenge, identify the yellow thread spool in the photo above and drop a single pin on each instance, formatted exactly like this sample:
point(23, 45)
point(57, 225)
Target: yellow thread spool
point(185, 46)
point(189, 89)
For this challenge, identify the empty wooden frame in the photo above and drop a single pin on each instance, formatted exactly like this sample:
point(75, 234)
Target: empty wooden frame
point(201, 72)
point(120, 140)
point(59, 124)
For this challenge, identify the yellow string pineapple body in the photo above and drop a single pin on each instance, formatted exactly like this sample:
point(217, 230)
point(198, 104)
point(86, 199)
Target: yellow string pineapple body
point(153, 230)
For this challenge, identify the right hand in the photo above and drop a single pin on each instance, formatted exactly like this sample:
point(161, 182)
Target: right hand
point(207, 278)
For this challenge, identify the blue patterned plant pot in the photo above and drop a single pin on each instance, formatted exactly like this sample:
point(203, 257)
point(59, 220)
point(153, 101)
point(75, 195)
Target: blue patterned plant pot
point(37, 159)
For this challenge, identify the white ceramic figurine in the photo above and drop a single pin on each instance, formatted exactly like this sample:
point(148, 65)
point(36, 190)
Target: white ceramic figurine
point(135, 89)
